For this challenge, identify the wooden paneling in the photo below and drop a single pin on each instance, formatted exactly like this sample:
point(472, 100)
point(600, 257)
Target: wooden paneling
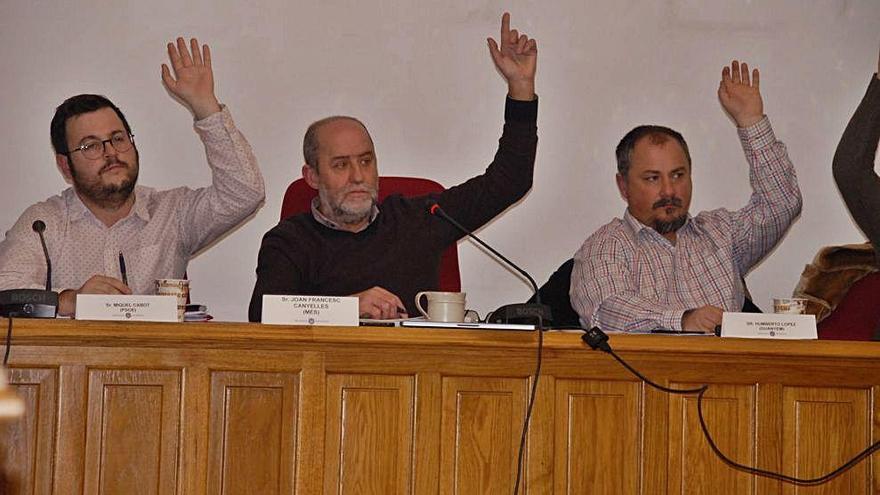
point(823, 428)
point(480, 433)
point(247, 408)
point(71, 439)
point(730, 414)
point(769, 436)
point(132, 431)
point(598, 438)
point(427, 430)
point(253, 424)
point(26, 453)
point(369, 434)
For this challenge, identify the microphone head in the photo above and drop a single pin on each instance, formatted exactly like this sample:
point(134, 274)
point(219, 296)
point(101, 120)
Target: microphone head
point(38, 226)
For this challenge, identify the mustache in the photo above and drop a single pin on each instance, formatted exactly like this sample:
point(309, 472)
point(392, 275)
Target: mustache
point(112, 162)
point(362, 188)
point(664, 202)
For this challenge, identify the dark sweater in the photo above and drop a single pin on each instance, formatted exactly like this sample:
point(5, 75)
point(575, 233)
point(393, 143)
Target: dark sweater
point(853, 164)
point(400, 250)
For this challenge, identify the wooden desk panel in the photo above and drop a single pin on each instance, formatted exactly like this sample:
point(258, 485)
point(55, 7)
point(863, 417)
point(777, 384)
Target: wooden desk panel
point(246, 408)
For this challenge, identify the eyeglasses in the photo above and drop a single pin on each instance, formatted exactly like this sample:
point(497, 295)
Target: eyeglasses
point(94, 148)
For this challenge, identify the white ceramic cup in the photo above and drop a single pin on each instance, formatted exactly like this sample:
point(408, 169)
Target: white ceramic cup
point(790, 305)
point(442, 306)
point(174, 287)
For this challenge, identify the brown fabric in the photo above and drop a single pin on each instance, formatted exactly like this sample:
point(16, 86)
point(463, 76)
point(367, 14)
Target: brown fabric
point(825, 281)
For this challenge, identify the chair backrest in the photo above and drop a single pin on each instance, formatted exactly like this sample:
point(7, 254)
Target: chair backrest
point(554, 293)
point(857, 315)
point(299, 195)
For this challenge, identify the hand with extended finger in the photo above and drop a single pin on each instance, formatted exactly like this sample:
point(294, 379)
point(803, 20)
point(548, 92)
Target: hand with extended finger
point(193, 79)
point(97, 284)
point(516, 56)
point(703, 319)
point(379, 304)
point(740, 94)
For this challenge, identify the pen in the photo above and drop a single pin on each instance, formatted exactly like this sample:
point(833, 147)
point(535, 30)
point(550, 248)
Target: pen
point(122, 268)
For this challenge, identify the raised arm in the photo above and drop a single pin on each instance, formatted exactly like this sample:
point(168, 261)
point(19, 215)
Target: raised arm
point(776, 198)
point(853, 165)
point(237, 188)
point(509, 177)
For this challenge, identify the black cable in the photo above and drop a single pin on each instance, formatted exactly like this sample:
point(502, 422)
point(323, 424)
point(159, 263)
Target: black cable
point(435, 209)
point(777, 476)
point(525, 428)
point(597, 339)
point(681, 391)
point(8, 341)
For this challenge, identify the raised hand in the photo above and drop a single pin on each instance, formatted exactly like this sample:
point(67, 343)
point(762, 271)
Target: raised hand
point(193, 80)
point(516, 56)
point(740, 96)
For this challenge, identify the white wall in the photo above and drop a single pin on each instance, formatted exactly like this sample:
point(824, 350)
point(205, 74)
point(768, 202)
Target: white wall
point(419, 75)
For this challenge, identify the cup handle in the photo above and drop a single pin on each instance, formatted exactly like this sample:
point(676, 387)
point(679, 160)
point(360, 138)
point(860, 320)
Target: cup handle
point(419, 304)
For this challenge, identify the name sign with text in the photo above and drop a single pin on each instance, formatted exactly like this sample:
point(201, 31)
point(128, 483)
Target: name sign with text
point(126, 308)
point(310, 310)
point(769, 326)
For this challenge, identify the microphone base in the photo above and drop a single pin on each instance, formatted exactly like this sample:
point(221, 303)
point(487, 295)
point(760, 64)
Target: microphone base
point(521, 313)
point(28, 303)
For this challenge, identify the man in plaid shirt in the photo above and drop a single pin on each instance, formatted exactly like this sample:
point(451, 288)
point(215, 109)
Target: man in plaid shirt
point(660, 268)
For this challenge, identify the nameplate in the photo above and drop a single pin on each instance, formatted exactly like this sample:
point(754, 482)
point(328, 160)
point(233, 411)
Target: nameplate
point(126, 308)
point(768, 326)
point(310, 310)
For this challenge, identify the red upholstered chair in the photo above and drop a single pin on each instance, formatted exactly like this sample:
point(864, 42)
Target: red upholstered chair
point(298, 199)
point(857, 315)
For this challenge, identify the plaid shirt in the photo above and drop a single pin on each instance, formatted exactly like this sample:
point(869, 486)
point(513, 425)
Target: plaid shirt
point(627, 277)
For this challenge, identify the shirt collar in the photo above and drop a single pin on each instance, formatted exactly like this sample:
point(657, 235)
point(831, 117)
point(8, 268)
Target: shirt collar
point(323, 220)
point(141, 207)
point(78, 209)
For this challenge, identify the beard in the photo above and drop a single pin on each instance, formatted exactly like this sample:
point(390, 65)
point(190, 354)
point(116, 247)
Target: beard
point(667, 226)
point(347, 211)
point(103, 194)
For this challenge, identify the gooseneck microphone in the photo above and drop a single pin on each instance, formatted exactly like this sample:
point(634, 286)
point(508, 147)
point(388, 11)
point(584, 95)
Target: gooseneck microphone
point(436, 210)
point(32, 303)
point(536, 311)
point(29, 303)
point(39, 227)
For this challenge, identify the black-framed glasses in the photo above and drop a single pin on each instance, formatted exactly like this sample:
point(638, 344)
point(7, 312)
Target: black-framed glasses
point(94, 148)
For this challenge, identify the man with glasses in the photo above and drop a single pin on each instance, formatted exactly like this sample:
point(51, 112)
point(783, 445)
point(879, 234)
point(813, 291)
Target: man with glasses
point(105, 228)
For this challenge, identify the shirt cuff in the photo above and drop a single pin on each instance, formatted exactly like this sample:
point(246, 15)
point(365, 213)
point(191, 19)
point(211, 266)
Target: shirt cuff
point(672, 319)
point(756, 136)
point(521, 111)
point(215, 121)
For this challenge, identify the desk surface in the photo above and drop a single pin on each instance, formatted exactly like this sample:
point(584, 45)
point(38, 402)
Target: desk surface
point(237, 407)
point(253, 335)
